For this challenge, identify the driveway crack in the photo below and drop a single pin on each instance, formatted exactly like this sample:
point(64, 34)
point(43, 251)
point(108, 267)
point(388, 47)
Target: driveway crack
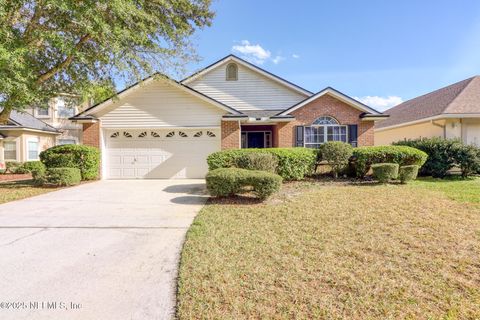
point(23, 237)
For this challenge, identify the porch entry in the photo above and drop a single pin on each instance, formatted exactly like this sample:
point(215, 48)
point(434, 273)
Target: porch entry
point(256, 137)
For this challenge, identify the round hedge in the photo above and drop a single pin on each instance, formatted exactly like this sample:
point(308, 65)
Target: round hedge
point(384, 172)
point(408, 173)
point(63, 176)
point(226, 182)
point(293, 163)
point(84, 158)
point(364, 157)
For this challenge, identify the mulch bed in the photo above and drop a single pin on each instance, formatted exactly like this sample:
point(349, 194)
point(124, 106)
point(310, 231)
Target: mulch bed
point(15, 177)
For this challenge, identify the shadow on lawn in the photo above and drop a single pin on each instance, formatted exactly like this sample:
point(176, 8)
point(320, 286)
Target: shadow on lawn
point(17, 184)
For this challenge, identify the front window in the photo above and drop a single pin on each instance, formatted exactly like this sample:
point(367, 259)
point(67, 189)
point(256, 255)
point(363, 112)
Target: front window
point(10, 150)
point(322, 130)
point(64, 110)
point(32, 146)
point(43, 112)
point(65, 141)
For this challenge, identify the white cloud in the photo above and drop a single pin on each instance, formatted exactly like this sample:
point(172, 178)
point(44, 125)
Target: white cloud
point(295, 56)
point(380, 103)
point(278, 59)
point(252, 52)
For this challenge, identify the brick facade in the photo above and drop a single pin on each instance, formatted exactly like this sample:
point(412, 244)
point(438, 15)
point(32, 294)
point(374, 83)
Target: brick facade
point(324, 106)
point(230, 135)
point(91, 134)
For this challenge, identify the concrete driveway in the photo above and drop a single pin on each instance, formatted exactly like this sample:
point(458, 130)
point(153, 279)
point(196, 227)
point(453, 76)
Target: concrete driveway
point(102, 250)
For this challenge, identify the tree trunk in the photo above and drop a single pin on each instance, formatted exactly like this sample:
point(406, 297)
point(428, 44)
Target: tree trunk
point(5, 115)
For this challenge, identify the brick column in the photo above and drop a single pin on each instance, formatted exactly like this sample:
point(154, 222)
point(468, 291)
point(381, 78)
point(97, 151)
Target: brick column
point(230, 135)
point(91, 134)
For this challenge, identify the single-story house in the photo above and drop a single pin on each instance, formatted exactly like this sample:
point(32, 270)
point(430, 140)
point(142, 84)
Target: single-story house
point(24, 137)
point(161, 128)
point(450, 112)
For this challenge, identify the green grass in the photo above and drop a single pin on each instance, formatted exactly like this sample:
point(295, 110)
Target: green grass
point(456, 188)
point(335, 251)
point(16, 190)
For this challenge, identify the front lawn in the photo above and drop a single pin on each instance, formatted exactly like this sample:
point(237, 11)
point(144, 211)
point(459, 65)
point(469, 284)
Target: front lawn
point(454, 187)
point(336, 251)
point(16, 190)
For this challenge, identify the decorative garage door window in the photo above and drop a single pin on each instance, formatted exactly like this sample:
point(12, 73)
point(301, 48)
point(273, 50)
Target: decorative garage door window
point(324, 129)
point(161, 134)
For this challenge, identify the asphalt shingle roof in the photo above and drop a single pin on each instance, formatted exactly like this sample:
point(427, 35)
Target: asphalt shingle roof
point(459, 98)
point(26, 120)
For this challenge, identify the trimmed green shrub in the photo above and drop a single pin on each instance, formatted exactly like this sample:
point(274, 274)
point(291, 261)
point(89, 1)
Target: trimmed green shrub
point(226, 182)
point(408, 173)
point(467, 157)
point(63, 176)
point(257, 161)
point(84, 158)
point(13, 167)
point(293, 163)
point(364, 157)
point(384, 172)
point(336, 154)
point(441, 154)
point(37, 169)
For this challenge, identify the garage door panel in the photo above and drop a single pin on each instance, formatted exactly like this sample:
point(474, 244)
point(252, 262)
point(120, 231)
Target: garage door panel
point(155, 156)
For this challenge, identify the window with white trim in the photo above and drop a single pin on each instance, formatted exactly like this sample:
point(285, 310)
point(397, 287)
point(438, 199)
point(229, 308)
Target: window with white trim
point(322, 130)
point(43, 112)
point(232, 72)
point(62, 142)
point(64, 110)
point(32, 149)
point(10, 150)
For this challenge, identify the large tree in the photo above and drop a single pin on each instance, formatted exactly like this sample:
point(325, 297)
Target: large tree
point(49, 47)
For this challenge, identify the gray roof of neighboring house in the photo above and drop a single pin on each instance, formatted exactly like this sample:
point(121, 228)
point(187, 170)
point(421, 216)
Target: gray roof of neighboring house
point(459, 98)
point(27, 121)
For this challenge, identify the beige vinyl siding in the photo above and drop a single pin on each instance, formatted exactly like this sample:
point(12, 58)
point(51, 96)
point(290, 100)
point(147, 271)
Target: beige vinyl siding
point(252, 91)
point(415, 131)
point(159, 104)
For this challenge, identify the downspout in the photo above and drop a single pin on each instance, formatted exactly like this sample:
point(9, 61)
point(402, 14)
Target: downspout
point(239, 135)
point(444, 127)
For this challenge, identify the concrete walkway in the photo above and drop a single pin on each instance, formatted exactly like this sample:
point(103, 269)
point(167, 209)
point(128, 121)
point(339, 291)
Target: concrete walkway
point(102, 250)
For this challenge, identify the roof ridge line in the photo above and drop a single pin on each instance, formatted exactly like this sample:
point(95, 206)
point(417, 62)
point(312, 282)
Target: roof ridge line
point(470, 80)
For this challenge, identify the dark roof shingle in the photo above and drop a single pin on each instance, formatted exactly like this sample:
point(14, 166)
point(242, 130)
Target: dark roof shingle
point(460, 97)
point(26, 120)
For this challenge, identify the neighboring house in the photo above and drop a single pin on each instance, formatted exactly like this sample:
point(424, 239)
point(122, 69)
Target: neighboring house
point(24, 137)
point(57, 114)
point(450, 112)
point(160, 128)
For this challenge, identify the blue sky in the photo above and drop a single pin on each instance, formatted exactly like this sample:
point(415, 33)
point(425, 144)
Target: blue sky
point(381, 49)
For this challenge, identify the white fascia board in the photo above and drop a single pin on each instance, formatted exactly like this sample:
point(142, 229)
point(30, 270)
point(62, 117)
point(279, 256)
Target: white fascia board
point(437, 117)
point(250, 67)
point(334, 94)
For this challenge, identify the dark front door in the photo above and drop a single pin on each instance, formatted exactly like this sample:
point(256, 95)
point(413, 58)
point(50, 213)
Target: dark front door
point(256, 139)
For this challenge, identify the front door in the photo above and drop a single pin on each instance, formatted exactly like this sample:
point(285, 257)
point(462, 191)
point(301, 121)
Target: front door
point(256, 139)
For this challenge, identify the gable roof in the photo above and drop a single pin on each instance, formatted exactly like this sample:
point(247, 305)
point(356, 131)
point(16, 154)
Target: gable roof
point(23, 120)
point(250, 66)
point(156, 76)
point(460, 98)
point(336, 94)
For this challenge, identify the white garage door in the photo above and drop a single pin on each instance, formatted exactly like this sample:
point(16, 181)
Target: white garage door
point(159, 154)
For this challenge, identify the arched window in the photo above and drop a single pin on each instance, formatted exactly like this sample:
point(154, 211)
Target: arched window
point(324, 129)
point(232, 72)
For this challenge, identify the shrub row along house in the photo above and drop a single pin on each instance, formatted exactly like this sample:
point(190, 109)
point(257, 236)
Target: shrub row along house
point(160, 128)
